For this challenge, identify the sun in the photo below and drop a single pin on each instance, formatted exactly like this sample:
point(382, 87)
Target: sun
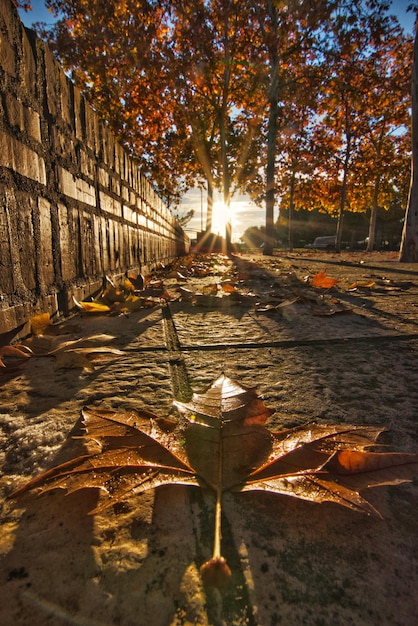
point(220, 215)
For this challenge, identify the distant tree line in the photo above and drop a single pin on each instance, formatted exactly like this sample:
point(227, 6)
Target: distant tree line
point(309, 224)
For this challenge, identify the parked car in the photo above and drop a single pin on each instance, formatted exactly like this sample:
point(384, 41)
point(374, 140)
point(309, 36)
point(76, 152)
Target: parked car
point(323, 243)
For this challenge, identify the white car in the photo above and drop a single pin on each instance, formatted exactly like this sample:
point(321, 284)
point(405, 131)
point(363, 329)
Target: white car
point(323, 243)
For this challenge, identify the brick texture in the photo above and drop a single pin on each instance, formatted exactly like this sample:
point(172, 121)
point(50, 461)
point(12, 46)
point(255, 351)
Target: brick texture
point(73, 204)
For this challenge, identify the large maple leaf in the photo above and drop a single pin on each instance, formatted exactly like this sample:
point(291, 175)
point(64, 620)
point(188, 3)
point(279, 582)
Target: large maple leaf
point(222, 444)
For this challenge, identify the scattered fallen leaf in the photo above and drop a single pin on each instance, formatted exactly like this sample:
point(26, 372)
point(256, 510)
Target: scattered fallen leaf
point(155, 282)
point(40, 323)
point(113, 295)
point(177, 275)
point(7, 338)
point(323, 281)
point(138, 283)
point(13, 357)
point(228, 287)
point(210, 290)
point(92, 307)
point(361, 284)
point(223, 444)
point(166, 295)
point(329, 308)
point(84, 358)
point(186, 294)
point(276, 307)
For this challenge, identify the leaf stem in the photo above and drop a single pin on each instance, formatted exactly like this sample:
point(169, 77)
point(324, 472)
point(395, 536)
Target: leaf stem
point(218, 507)
point(215, 572)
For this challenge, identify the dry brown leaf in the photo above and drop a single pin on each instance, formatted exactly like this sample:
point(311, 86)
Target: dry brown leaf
point(276, 307)
point(224, 445)
point(166, 295)
point(186, 294)
point(83, 358)
point(210, 290)
point(177, 275)
point(228, 287)
point(155, 282)
point(329, 308)
point(13, 357)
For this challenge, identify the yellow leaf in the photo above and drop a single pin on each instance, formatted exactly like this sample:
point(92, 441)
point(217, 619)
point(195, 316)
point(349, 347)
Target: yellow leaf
point(362, 284)
point(128, 285)
point(39, 323)
point(91, 307)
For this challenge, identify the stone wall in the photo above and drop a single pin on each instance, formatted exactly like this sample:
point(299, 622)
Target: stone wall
point(74, 206)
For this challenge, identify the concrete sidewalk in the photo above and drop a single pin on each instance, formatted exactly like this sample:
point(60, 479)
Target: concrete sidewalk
point(345, 355)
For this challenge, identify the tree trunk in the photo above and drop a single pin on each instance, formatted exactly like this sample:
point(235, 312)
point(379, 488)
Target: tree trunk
point(226, 185)
point(270, 170)
point(291, 209)
point(209, 210)
point(373, 216)
point(272, 139)
point(343, 196)
point(223, 123)
point(409, 244)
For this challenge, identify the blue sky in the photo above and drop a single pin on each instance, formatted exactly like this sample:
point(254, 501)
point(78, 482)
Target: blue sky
point(40, 14)
point(244, 212)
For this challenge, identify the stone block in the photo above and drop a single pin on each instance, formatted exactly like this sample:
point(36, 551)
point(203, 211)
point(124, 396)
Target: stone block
point(103, 178)
point(76, 188)
point(32, 123)
point(79, 114)
point(51, 77)
point(104, 242)
point(26, 250)
point(8, 19)
point(6, 278)
point(109, 204)
point(115, 185)
point(8, 59)
point(66, 248)
point(28, 67)
point(92, 125)
point(13, 110)
point(96, 246)
point(87, 165)
point(63, 144)
point(65, 98)
point(6, 154)
point(17, 156)
point(46, 261)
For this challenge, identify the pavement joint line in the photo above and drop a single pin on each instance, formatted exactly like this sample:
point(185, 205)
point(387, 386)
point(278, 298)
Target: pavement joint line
point(180, 382)
point(285, 343)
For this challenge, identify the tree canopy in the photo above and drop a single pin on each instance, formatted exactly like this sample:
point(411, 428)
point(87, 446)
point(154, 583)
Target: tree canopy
point(300, 103)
